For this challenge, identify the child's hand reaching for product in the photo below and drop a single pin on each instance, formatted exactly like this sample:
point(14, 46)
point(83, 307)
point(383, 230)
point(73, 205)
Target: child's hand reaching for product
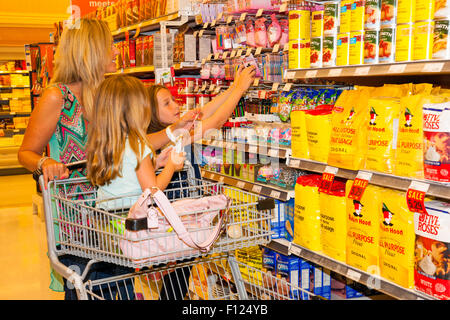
point(162, 158)
point(244, 78)
point(177, 160)
point(186, 122)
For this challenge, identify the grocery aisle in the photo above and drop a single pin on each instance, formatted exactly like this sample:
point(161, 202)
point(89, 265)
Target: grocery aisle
point(23, 262)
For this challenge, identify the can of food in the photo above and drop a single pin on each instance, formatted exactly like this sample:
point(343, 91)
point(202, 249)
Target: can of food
point(423, 40)
point(388, 12)
point(372, 17)
point(316, 52)
point(330, 18)
point(406, 11)
point(386, 44)
point(442, 9)
point(357, 15)
point(345, 16)
point(404, 43)
point(356, 48)
point(299, 24)
point(342, 49)
point(424, 10)
point(317, 21)
point(329, 51)
point(441, 48)
point(299, 54)
point(371, 46)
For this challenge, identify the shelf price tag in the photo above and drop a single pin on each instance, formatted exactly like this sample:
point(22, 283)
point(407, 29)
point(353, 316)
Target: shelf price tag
point(415, 196)
point(311, 74)
point(240, 184)
point(397, 68)
point(354, 275)
point(256, 188)
point(295, 163)
point(327, 179)
point(359, 185)
point(275, 86)
point(335, 72)
point(433, 67)
point(221, 179)
point(259, 13)
point(275, 194)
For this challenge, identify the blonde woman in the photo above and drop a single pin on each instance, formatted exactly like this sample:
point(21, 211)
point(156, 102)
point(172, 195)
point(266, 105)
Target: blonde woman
point(85, 53)
point(119, 155)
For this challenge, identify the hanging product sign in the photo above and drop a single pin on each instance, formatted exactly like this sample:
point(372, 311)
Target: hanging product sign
point(359, 185)
point(88, 6)
point(415, 196)
point(327, 179)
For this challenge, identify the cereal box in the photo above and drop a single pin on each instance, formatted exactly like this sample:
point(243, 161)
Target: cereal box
point(356, 48)
point(441, 47)
point(406, 10)
point(288, 268)
point(342, 49)
point(404, 43)
point(432, 250)
point(345, 16)
point(423, 40)
point(317, 21)
point(425, 9)
point(357, 16)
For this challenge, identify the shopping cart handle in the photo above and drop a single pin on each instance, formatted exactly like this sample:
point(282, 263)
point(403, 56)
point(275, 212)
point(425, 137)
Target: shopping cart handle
point(265, 204)
point(71, 166)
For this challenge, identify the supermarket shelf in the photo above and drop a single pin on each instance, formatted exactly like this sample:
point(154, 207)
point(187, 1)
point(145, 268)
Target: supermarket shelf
point(14, 87)
point(380, 284)
point(4, 115)
point(14, 72)
point(431, 67)
point(267, 150)
point(146, 26)
point(262, 189)
point(436, 189)
point(184, 66)
point(11, 132)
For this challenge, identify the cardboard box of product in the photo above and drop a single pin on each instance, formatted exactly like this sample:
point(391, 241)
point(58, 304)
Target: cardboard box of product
point(288, 268)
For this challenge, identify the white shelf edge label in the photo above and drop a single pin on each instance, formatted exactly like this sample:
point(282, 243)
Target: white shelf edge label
point(221, 178)
point(273, 153)
point(213, 176)
point(293, 249)
point(352, 274)
point(256, 188)
point(419, 186)
point(331, 170)
point(364, 175)
point(362, 71)
point(397, 68)
point(240, 184)
point(335, 72)
point(433, 67)
point(294, 163)
point(311, 74)
point(290, 75)
point(252, 149)
point(275, 194)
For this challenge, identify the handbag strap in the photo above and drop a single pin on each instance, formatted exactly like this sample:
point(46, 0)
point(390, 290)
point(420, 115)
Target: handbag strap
point(169, 212)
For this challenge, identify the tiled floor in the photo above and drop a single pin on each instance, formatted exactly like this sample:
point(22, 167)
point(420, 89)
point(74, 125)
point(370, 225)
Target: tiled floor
point(24, 265)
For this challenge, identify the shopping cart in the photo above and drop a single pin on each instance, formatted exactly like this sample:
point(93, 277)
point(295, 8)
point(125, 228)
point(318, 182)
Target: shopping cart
point(77, 223)
point(219, 277)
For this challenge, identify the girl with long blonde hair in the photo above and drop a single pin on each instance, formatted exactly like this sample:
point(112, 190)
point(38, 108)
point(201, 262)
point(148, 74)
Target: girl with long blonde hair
point(119, 155)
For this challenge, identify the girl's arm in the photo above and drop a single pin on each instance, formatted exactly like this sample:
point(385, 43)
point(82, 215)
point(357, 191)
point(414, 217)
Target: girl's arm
point(147, 177)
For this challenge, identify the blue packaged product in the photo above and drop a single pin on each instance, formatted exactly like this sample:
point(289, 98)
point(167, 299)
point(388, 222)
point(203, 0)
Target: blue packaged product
point(288, 268)
point(305, 268)
point(316, 279)
point(289, 224)
point(269, 261)
point(326, 284)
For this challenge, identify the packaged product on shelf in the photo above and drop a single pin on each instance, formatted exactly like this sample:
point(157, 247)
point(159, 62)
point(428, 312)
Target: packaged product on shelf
point(299, 54)
point(432, 247)
point(284, 32)
point(139, 52)
point(388, 12)
point(343, 287)
point(299, 24)
point(409, 153)
point(441, 47)
point(317, 21)
point(387, 44)
point(278, 220)
point(372, 14)
point(273, 31)
point(326, 284)
point(305, 279)
point(406, 11)
point(356, 48)
point(330, 18)
point(315, 278)
point(316, 52)
point(250, 33)
point(269, 261)
point(333, 221)
point(289, 226)
point(261, 33)
point(363, 229)
point(342, 49)
point(288, 268)
point(329, 51)
point(423, 40)
point(436, 128)
point(348, 136)
point(442, 9)
point(299, 143)
point(357, 15)
point(318, 129)
point(371, 46)
point(132, 52)
point(285, 105)
point(382, 133)
point(404, 43)
point(345, 16)
point(307, 212)
point(425, 9)
point(396, 239)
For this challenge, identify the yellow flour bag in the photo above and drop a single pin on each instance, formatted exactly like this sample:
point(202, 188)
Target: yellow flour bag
point(382, 132)
point(299, 143)
point(348, 135)
point(307, 212)
point(409, 153)
point(333, 221)
point(397, 237)
point(318, 129)
point(363, 227)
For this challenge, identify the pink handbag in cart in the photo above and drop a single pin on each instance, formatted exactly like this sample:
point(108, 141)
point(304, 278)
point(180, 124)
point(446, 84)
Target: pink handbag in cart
point(173, 230)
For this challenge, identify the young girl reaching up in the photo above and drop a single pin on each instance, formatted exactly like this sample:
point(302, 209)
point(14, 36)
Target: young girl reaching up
point(119, 155)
